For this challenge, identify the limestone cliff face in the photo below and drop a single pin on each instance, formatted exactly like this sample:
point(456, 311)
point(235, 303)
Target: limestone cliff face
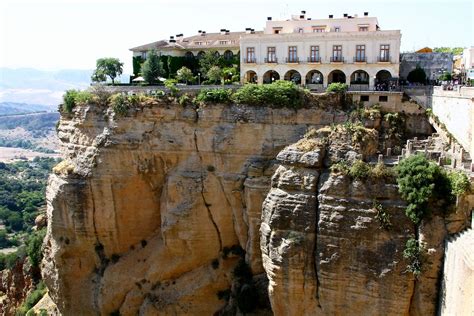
point(144, 210)
point(324, 248)
point(15, 284)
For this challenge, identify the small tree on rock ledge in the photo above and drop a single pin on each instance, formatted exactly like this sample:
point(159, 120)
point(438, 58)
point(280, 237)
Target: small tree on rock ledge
point(107, 67)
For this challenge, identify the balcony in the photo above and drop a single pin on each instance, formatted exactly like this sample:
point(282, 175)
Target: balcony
point(314, 59)
point(337, 59)
point(383, 59)
point(271, 60)
point(292, 60)
point(360, 59)
point(251, 60)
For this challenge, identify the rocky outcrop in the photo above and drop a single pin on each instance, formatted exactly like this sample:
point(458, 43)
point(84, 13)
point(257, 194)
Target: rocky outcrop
point(15, 284)
point(144, 208)
point(325, 246)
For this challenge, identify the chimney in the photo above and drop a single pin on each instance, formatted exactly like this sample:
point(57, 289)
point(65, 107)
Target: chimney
point(199, 31)
point(345, 15)
point(309, 19)
point(366, 13)
point(303, 12)
point(179, 37)
point(223, 31)
point(252, 31)
point(203, 33)
point(172, 40)
point(331, 16)
point(227, 32)
point(248, 30)
point(269, 18)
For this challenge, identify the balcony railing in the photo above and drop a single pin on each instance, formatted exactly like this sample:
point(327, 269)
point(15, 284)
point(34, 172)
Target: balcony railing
point(292, 60)
point(314, 59)
point(271, 60)
point(251, 60)
point(337, 59)
point(360, 59)
point(383, 59)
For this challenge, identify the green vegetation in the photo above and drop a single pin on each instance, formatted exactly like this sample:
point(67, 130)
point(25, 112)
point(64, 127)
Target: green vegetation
point(359, 170)
point(446, 76)
point(184, 74)
point(460, 183)
point(214, 96)
point(277, 94)
point(107, 67)
point(152, 68)
point(452, 50)
point(417, 75)
point(419, 181)
point(120, 104)
point(31, 300)
point(23, 143)
point(413, 252)
point(214, 75)
point(22, 197)
point(76, 97)
point(382, 216)
point(337, 87)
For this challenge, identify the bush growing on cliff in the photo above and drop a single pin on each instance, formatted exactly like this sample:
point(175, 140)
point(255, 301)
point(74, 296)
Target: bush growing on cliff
point(214, 95)
point(31, 300)
point(420, 180)
point(277, 94)
point(119, 104)
point(337, 87)
point(33, 247)
point(359, 170)
point(75, 97)
point(413, 252)
point(459, 182)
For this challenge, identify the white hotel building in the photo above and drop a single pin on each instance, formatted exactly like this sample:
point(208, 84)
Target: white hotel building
point(352, 49)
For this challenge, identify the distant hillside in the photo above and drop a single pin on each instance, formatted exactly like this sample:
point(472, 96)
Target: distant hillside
point(35, 123)
point(28, 85)
point(9, 108)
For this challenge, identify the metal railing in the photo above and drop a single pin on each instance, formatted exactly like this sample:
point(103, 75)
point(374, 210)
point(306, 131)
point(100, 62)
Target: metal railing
point(360, 59)
point(337, 59)
point(383, 59)
point(271, 60)
point(314, 59)
point(250, 60)
point(292, 60)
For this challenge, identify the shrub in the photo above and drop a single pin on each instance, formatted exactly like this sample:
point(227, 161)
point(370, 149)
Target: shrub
point(120, 104)
point(359, 170)
point(171, 85)
point(419, 180)
point(215, 95)
point(32, 299)
point(184, 99)
point(215, 74)
point(69, 99)
point(276, 94)
point(382, 216)
point(337, 87)
point(33, 247)
point(340, 167)
point(459, 183)
point(412, 252)
point(381, 171)
point(84, 97)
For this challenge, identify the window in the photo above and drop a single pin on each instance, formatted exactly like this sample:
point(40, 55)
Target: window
point(276, 31)
point(143, 55)
point(223, 42)
point(383, 98)
point(384, 53)
point(198, 43)
point(318, 30)
point(336, 53)
point(271, 55)
point(364, 98)
point(363, 28)
point(250, 55)
point(228, 55)
point(314, 54)
point(337, 29)
point(300, 30)
point(360, 53)
point(292, 54)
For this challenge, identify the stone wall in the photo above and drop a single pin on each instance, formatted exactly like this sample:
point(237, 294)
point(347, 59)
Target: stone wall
point(455, 109)
point(432, 63)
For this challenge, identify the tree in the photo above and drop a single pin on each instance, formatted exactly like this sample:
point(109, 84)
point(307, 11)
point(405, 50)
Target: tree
point(209, 60)
point(417, 75)
point(215, 74)
point(107, 67)
point(452, 50)
point(184, 74)
point(446, 76)
point(152, 68)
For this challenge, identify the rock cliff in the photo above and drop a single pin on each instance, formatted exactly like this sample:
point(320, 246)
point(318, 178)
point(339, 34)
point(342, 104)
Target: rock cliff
point(159, 211)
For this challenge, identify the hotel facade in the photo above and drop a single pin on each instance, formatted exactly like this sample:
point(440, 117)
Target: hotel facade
point(314, 53)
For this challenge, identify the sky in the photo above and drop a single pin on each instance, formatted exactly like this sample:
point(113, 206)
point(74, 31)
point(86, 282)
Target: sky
point(72, 34)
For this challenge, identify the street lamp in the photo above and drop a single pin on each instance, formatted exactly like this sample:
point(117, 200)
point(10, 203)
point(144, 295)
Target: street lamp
point(199, 78)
